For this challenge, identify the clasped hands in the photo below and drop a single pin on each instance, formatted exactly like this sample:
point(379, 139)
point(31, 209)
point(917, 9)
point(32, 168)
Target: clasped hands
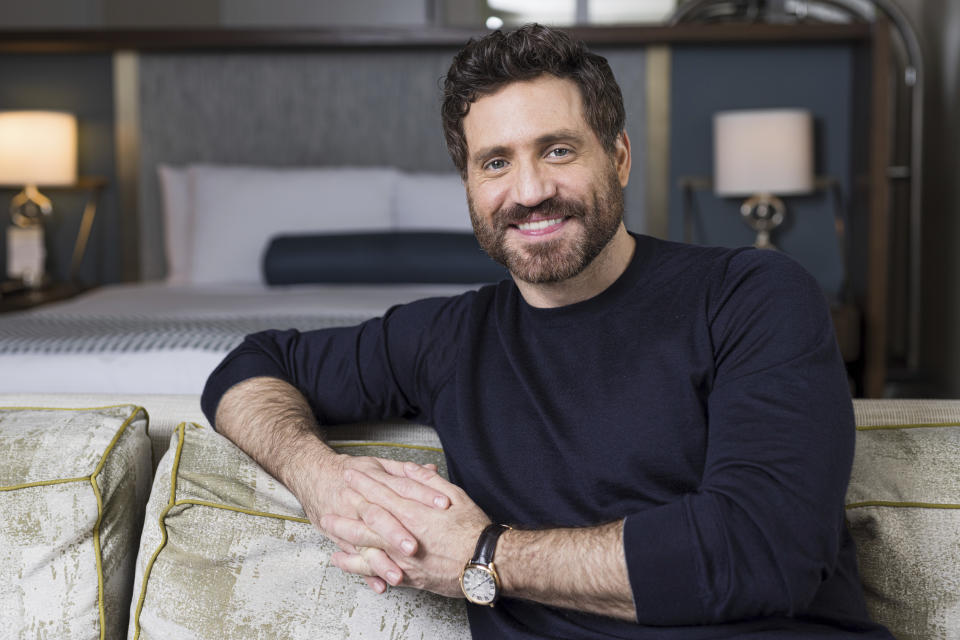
point(396, 523)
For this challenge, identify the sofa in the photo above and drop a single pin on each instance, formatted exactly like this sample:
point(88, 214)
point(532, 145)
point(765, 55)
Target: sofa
point(129, 515)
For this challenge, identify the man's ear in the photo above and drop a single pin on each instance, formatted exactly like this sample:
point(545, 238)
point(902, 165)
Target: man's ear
point(621, 157)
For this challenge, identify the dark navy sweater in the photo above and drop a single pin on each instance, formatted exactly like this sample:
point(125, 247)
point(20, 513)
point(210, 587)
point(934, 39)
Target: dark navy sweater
point(701, 398)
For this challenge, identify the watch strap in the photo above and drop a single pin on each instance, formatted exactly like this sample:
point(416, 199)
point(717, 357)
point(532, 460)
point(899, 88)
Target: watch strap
point(487, 544)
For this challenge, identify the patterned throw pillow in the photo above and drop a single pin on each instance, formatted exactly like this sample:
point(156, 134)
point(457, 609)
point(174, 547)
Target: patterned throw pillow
point(903, 508)
point(73, 484)
point(226, 552)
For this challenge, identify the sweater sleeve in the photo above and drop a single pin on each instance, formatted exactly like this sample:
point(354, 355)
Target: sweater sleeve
point(763, 529)
point(382, 368)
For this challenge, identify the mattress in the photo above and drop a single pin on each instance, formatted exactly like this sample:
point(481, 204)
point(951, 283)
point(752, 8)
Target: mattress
point(165, 339)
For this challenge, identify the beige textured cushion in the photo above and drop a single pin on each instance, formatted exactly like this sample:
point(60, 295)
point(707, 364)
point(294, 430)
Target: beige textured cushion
point(226, 552)
point(73, 484)
point(903, 507)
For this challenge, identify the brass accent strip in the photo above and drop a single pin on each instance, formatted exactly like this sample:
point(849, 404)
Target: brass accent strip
point(657, 149)
point(83, 234)
point(126, 104)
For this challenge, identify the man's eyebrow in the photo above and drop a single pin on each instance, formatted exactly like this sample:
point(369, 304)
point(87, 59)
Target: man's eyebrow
point(562, 135)
point(489, 152)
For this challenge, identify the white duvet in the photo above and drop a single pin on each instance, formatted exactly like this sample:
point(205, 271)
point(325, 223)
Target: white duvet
point(164, 360)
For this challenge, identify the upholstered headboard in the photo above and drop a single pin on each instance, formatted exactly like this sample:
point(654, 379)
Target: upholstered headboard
point(328, 108)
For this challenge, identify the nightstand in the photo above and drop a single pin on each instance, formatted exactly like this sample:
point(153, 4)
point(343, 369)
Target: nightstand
point(29, 298)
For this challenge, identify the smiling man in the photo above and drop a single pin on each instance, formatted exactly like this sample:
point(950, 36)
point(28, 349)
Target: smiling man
point(645, 439)
point(545, 195)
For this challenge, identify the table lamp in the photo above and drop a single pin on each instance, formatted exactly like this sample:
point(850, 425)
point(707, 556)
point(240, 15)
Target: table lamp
point(36, 148)
point(762, 154)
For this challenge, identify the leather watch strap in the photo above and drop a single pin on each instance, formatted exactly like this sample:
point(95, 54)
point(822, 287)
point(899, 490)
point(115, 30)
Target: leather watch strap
point(487, 543)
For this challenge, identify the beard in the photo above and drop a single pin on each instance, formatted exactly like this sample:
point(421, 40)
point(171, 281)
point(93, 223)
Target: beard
point(562, 258)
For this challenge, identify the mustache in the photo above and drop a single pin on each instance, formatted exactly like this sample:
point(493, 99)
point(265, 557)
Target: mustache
point(552, 208)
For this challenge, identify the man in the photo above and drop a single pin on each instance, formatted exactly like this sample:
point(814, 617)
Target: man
point(666, 428)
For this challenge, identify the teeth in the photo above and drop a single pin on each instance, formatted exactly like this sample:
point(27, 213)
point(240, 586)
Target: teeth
point(540, 224)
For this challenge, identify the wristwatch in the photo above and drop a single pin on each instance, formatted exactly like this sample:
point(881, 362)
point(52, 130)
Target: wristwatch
point(479, 580)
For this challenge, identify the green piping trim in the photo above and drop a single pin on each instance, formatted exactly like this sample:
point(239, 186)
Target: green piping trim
point(44, 483)
point(915, 505)
point(163, 529)
point(98, 552)
point(422, 447)
point(249, 512)
point(876, 427)
point(116, 438)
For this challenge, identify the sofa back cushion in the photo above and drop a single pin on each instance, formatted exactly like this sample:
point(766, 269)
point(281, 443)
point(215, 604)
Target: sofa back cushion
point(226, 552)
point(903, 508)
point(73, 483)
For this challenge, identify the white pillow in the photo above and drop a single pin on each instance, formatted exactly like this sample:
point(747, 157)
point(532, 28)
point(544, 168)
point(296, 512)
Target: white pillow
point(237, 210)
point(431, 201)
point(177, 207)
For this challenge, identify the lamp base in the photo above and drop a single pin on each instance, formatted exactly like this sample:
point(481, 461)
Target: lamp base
point(763, 213)
point(29, 207)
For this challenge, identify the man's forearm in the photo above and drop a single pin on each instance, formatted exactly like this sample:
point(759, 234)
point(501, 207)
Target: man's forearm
point(271, 421)
point(583, 569)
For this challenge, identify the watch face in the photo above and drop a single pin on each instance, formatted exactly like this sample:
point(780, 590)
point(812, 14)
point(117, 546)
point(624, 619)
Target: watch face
point(479, 585)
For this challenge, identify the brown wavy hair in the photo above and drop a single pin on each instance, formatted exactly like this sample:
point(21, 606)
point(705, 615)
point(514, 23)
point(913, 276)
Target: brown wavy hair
point(485, 65)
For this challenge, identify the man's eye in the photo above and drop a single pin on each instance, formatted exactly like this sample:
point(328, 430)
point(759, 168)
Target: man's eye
point(496, 165)
point(559, 152)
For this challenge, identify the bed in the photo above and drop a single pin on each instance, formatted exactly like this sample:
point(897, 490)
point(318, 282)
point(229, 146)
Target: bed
point(162, 338)
point(236, 267)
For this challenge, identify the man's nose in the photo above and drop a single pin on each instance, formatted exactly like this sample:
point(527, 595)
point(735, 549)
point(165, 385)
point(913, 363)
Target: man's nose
point(533, 184)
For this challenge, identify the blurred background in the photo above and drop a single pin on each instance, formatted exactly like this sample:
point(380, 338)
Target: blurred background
point(866, 197)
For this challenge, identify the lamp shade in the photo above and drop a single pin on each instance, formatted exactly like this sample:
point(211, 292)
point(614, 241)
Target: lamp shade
point(38, 148)
point(763, 151)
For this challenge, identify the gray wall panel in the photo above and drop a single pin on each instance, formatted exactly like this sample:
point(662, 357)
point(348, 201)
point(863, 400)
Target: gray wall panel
point(303, 13)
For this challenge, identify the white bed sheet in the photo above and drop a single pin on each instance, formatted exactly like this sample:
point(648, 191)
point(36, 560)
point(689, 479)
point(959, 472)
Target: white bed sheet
point(181, 370)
